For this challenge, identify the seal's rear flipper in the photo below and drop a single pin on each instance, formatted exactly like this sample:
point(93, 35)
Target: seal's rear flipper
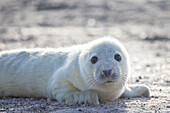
point(136, 91)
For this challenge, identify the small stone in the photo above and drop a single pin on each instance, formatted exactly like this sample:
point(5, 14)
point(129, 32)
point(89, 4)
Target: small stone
point(137, 80)
point(168, 81)
point(153, 106)
point(140, 77)
point(148, 65)
point(11, 109)
point(42, 106)
point(158, 54)
point(48, 100)
point(2, 110)
point(105, 107)
point(50, 107)
point(167, 106)
point(20, 103)
point(80, 110)
point(116, 109)
point(154, 96)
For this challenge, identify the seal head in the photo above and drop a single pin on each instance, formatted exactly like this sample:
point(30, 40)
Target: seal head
point(105, 63)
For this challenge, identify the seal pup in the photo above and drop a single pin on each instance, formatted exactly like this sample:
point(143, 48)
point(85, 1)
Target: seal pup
point(85, 73)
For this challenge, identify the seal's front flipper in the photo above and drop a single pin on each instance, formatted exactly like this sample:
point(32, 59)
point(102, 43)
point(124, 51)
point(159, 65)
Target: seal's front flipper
point(82, 97)
point(136, 91)
point(65, 91)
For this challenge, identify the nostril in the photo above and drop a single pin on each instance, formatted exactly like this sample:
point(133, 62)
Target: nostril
point(107, 72)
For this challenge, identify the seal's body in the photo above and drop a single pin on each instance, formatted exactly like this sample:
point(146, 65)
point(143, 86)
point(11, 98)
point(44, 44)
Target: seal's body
point(84, 73)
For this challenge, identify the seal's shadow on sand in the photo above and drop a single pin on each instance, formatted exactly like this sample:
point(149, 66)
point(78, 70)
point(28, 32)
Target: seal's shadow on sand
point(117, 105)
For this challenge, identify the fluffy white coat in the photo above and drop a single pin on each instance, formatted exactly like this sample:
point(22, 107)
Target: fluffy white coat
point(66, 74)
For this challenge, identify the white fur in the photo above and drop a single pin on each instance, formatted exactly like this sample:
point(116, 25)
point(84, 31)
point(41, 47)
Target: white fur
point(66, 74)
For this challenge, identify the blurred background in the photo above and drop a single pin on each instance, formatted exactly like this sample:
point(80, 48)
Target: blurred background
point(42, 23)
point(89, 13)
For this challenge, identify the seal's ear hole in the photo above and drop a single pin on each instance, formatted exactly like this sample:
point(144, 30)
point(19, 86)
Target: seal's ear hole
point(94, 59)
point(117, 57)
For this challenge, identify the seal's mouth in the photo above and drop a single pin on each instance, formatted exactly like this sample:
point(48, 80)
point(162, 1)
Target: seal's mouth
point(108, 82)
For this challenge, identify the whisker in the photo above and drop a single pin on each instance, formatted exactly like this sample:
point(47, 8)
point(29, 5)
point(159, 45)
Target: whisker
point(91, 82)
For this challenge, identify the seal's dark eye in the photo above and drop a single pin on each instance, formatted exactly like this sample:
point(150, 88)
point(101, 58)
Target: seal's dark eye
point(94, 59)
point(118, 57)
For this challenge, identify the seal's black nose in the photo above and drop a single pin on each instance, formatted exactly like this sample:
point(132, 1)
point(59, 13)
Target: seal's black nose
point(107, 72)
